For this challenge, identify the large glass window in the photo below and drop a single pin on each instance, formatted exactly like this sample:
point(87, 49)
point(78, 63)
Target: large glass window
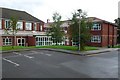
point(43, 41)
point(28, 26)
point(20, 25)
point(96, 39)
point(0, 24)
point(96, 26)
point(7, 23)
point(7, 41)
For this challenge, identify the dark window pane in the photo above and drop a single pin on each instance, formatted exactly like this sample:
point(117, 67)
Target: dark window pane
point(6, 40)
point(19, 41)
point(23, 40)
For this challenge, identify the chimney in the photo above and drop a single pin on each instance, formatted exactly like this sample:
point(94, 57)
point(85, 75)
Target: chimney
point(48, 20)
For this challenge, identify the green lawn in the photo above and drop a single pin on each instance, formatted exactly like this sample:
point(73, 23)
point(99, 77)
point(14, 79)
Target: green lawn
point(6, 48)
point(73, 48)
point(117, 46)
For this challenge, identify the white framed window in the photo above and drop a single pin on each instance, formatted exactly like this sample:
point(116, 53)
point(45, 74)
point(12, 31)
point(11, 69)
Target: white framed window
point(7, 23)
point(96, 26)
point(7, 41)
point(41, 28)
point(20, 25)
point(21, 41)
point(0, 24)
point(28, 26)
point(35, 26)
point(96, 39)
point(43, 40)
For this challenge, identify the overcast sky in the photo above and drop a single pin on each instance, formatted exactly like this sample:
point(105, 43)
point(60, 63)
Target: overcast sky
point(44, 9)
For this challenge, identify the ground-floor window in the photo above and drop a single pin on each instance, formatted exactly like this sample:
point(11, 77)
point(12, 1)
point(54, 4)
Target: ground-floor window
point(96, 39)
point(21, 41)
point(43, 40)
point(7, 41)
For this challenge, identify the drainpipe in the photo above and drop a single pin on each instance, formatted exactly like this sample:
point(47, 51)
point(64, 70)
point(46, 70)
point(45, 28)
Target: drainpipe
point(108, 37)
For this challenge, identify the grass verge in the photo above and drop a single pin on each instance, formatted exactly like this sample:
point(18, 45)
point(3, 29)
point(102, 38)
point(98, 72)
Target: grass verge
point(117, 46)
point(72, 48)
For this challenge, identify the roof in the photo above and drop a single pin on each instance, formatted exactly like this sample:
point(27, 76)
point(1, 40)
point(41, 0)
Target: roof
point(95, 19)
point(21, 15)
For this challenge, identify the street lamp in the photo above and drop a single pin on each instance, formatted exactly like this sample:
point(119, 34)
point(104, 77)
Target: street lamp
point(79, 12)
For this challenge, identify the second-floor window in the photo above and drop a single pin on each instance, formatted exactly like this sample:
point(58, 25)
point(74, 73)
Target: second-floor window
point(41, 28)
point(28, 26)
point(20, 25)
point(35, 26)
point(7, 23)
point(0, 24)
point(96, 39)
point(96, 26)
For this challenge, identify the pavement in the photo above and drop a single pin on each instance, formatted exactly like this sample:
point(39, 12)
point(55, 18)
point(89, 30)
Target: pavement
point(53, 64)
point(81, 53)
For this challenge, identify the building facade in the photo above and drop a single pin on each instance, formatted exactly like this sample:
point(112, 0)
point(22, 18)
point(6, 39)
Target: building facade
point(32, 31)
point(30, 28)
point(103, 33)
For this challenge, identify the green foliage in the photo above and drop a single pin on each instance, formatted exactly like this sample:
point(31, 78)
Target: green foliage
point(12, 28)
point(85, 27)
point(117, 21)
point(55, 29)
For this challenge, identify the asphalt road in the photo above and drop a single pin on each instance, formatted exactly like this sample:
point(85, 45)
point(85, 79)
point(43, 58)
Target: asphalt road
point(50, 64)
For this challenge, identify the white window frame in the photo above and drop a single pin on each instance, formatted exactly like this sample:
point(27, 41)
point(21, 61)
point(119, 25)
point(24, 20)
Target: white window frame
point(43, 40)
point(35, 26)
point(96, 26)
point(20, 25)
point(28, 26)
point(41, 28)
point(96, 39)
point(7, 41)
point(7, 24)
point(21, 41)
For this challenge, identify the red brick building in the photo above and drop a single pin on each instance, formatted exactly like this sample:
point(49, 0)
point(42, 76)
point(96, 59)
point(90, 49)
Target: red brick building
point(32, 31)
point(103, 33)
point(29, 27)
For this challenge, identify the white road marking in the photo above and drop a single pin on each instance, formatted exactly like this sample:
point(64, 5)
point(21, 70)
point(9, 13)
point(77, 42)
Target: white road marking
point(28, 56)
point(48, 54)
point(17, 53)
point(23, 55)
point(11, 62)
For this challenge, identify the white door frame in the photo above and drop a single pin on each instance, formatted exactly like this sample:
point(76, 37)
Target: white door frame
point(21, 41)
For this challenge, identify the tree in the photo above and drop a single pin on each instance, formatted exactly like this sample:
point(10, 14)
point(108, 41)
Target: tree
point(12, 29)
point(85, 26)
point(117, 21)
point(55, 29)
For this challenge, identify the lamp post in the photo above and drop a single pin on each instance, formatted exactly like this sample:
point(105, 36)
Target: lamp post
point(79, 12)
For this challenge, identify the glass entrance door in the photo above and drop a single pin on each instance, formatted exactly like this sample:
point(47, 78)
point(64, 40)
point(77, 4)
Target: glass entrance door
point(21, 41)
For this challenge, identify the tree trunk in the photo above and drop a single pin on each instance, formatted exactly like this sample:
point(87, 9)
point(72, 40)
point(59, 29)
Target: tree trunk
point(13, 42)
